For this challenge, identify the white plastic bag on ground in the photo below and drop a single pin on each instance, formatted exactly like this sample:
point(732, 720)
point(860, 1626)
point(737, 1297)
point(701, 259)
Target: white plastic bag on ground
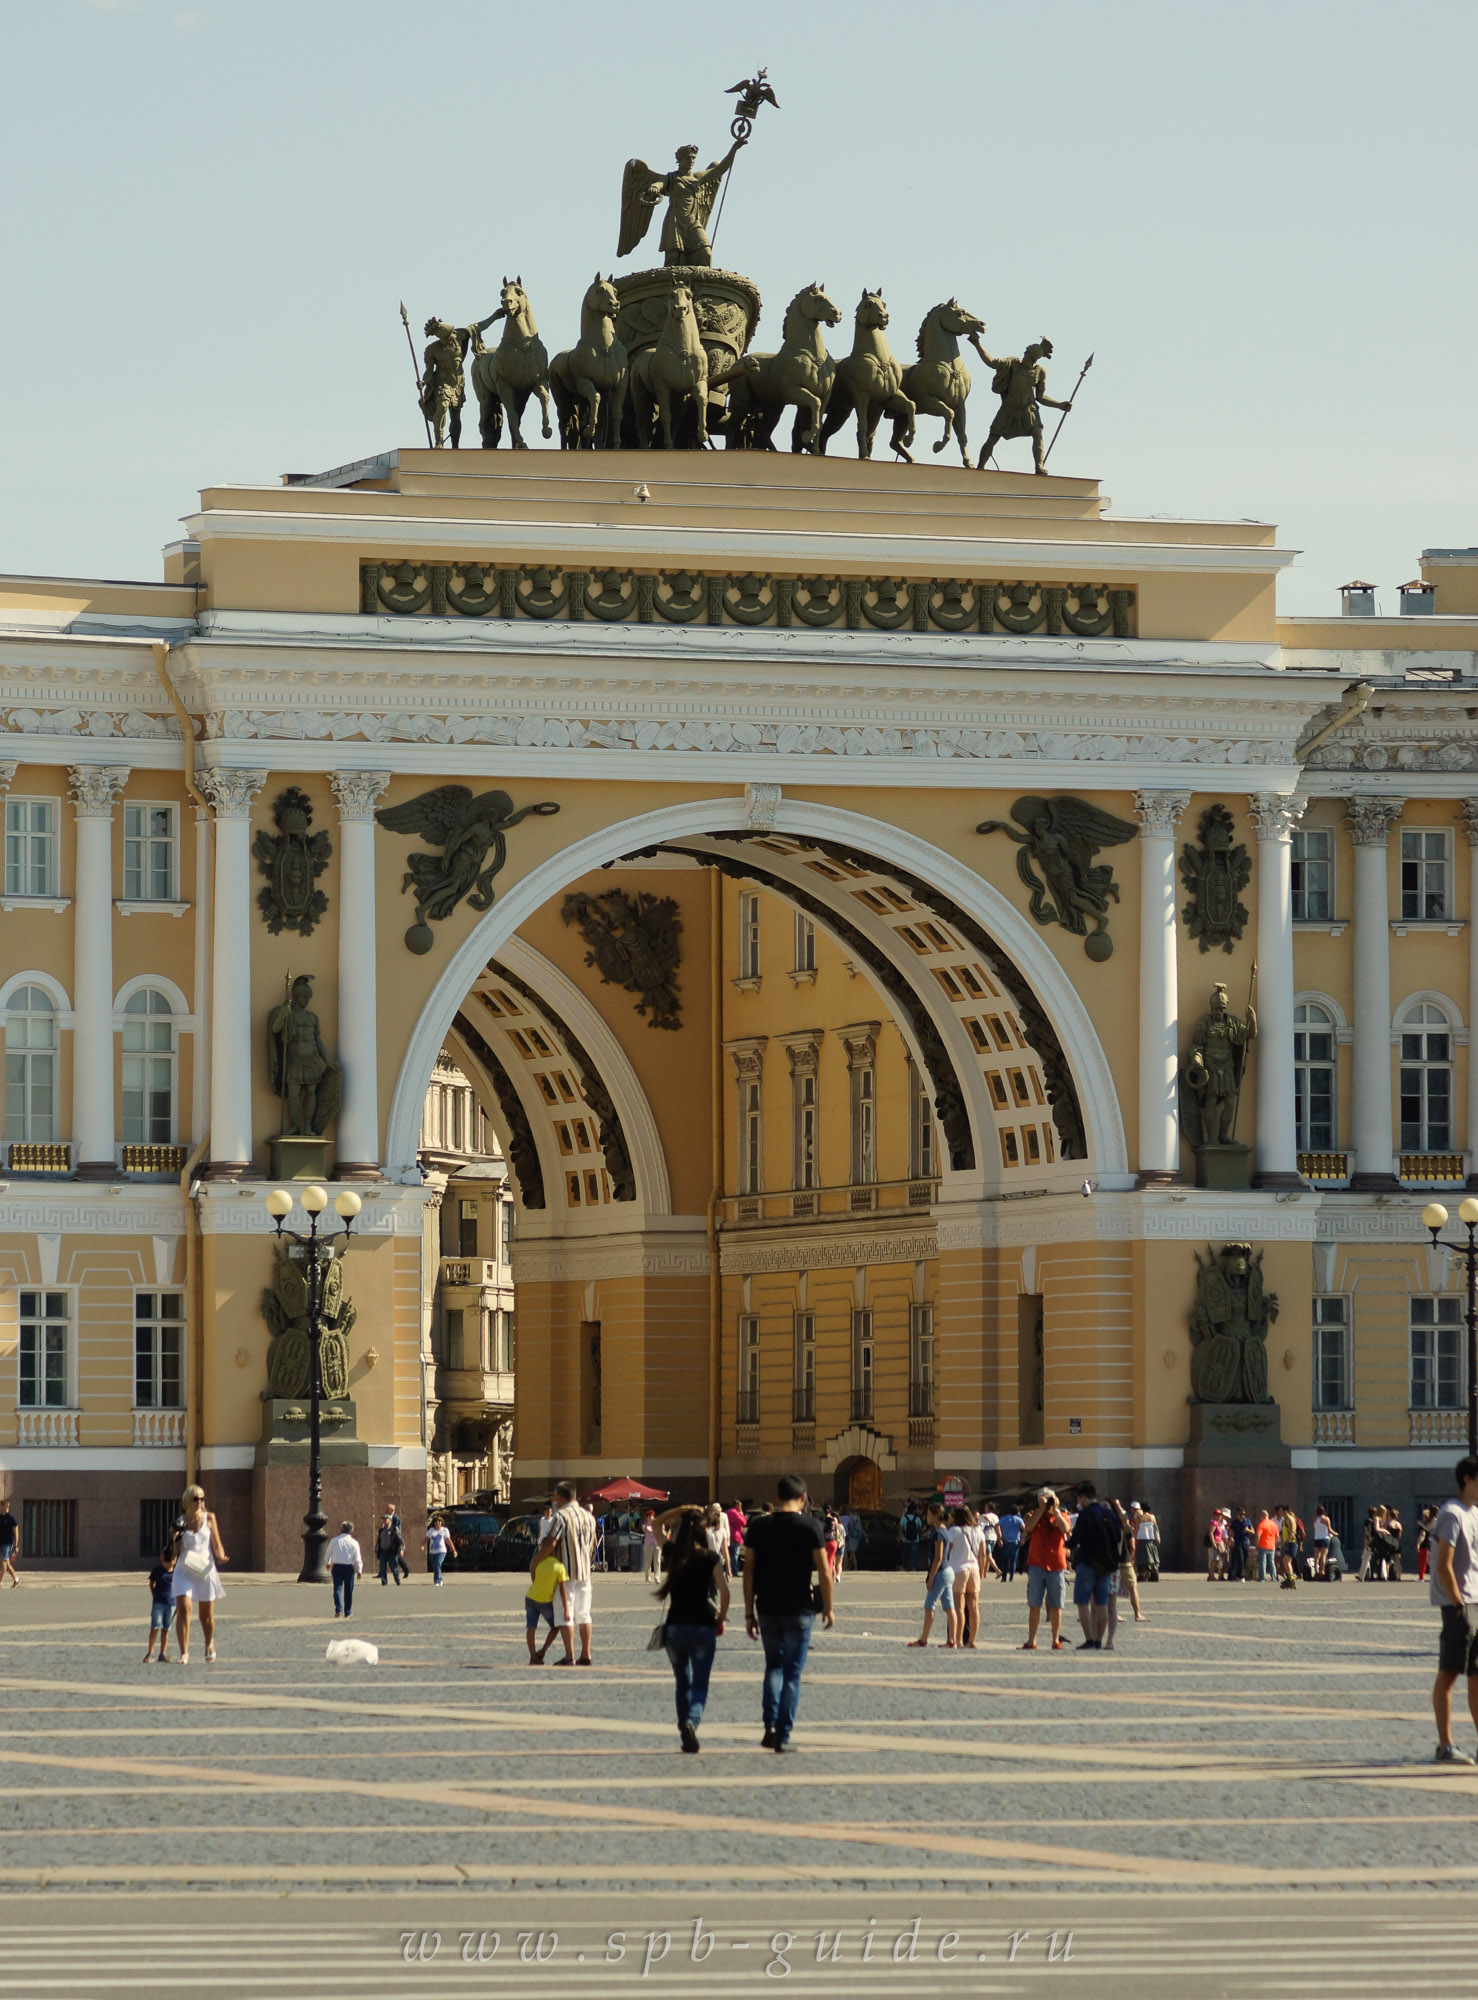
point(346, 1652)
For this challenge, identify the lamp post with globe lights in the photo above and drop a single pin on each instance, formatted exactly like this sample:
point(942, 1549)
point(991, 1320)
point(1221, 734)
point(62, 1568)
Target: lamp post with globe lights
point(1434, 1218)
point(320, 1251)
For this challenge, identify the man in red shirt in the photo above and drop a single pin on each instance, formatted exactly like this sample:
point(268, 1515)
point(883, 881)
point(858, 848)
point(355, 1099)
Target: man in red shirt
point(1046, 1531)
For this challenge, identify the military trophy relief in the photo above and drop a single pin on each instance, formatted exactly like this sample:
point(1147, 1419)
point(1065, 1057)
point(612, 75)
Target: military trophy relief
point(1057, 840)
point(307, 1083)
point(1211, 1078)
point(469, 830)
point(1215, 870)
point(664, 358)
point(292, 860)
point(1234, 1420)
point(287, 1307)
point(634, 943)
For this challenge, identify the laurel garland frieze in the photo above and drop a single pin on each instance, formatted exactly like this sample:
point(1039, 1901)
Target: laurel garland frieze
point(887, 604)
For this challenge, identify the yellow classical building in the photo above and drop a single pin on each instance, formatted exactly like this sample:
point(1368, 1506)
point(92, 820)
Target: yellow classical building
point(844, 1133)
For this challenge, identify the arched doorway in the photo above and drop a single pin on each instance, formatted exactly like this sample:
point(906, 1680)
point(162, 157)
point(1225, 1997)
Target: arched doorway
point(859, 1483)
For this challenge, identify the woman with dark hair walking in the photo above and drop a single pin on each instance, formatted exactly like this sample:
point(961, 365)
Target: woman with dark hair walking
point(697, 1594)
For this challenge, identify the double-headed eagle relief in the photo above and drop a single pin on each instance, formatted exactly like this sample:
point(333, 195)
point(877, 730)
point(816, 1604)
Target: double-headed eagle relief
point(664, 358)
point(1059, 837)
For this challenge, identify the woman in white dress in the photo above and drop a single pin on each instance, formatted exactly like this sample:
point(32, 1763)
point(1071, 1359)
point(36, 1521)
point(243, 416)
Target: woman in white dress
point(197, 1550)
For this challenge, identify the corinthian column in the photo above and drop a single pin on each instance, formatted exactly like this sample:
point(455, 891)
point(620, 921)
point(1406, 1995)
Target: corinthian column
point(359, 1115)
point(1159, 987)
point(1370, 821)
point(94, 788)
point(1274, 814)
point(1470, 821)
point(231, 794)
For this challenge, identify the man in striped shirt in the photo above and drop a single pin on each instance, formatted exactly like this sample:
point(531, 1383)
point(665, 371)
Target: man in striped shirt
point(571, 1538)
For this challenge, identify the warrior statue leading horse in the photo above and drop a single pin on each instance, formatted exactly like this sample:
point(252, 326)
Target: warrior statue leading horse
point(676, 366)
point(938, 382)
point(517, 368)
point(868, 382)
point(801, 373)
point(593, 372)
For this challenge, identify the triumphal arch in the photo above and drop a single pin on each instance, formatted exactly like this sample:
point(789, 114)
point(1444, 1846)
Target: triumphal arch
point(963, 990)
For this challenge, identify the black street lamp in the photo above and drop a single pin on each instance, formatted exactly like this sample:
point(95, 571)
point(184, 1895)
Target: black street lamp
point(321, 1251)
point(1434, 1216)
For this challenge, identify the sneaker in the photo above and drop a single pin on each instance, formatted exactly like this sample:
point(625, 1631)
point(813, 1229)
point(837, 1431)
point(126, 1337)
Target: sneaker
point(689, 1736)
point(767, 1741)
point(1448, 1753)
point(781, 1745)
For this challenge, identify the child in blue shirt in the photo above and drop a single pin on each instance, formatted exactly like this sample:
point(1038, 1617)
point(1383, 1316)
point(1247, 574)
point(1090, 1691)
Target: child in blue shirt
point(161, 1606)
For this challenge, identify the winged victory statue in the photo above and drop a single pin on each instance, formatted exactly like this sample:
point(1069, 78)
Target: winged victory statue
point(1060, 837)
point(689, 196)
point(470, 831)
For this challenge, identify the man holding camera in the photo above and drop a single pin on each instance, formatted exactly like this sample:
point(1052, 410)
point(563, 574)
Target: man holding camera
point(1045, 1531)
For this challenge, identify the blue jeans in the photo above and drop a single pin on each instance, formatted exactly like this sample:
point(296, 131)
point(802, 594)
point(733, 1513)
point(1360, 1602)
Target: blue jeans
point(435, 1563)
point(786, 1640)
point(941, 1590)
point(910, 1555)
point(343, 1587)
point(1006, 1553)
point(690, 1651)
point(390, 1566)
point(1266, 1567)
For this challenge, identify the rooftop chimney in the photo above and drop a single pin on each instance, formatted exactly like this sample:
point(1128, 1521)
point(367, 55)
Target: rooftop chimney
point(1416, 598)
point(1357, 600)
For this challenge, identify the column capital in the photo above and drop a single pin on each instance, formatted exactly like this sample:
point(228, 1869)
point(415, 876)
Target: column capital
point(230, 791)
point(357, 791)
point(1470, 819)
point(1275, 813)
point(95, 788)
point(7, 776)
point(1370, 820)
point(1159, 813)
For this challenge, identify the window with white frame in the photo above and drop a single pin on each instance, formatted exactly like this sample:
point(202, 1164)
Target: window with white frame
point(1332, 1372)
point(804, 1407)
point(923, 1150)
point(805, 943)
point(1313, 875)
point(749, 1370)
point(503, 1350)
point(45, 1351)
point(1313, 1077)
point(862, 1364)
point(159, 1351)
point(921, 1362)
point(150, 848)
point(1426, 1080)
point(31, 847)
point(1437, 1354)
point(1426, 873)
point(803, 1084)
point(507, 1250)
point(864, 1123)
point(149, 1061)
point(749, 934)
point(30, 1065)
point(751, 1134)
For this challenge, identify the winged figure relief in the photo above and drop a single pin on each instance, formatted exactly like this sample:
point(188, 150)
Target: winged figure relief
point(469, 829)
point(634, 943)
point(1060, 837)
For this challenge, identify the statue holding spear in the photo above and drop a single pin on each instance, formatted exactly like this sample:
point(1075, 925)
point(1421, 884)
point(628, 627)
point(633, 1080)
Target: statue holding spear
point(1021, 383)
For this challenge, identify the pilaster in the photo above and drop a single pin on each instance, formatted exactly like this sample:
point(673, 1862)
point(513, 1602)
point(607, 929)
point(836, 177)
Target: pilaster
point(1159, 815)
point(1274, 815)
point(231, 793)
point(1370, 821)
point(95, 789)
point(359, 1115)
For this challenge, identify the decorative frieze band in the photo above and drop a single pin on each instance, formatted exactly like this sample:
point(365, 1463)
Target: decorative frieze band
point(828, 1253)
point(488, 590)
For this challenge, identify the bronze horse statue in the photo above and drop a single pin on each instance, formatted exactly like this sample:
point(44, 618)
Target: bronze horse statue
point(938, 382)
point(676, 366)
point(506, 376)
point(868, 382)
point(594, 372)
point(801, 373)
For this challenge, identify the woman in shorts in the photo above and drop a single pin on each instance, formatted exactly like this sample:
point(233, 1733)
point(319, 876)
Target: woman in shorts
point(964, 1548)
point(939, 1584)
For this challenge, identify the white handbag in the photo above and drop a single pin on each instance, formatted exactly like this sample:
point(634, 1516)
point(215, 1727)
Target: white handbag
point(197, 1562)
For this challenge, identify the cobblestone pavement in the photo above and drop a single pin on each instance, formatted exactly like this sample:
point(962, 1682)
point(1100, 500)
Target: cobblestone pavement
point(1240, 1800)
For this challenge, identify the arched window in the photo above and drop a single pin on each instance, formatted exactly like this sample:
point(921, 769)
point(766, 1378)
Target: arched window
point(148, 1069)
point(1426, 1080)
point(1313, 1077)
point(30, 1064)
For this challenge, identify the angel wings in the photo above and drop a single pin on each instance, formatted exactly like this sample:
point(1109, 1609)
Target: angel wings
point(1061, 837)
point(466, 829)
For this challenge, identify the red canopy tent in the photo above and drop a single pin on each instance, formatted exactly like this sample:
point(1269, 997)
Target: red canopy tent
point(625, 1489)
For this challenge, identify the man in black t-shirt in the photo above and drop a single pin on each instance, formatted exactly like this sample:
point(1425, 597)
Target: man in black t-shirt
point(784, 1563)
point(10, 1529)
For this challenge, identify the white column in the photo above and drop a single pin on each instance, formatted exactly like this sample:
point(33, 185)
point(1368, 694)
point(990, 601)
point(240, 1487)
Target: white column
point(359, 1114)
point(95, 788)
point(1470, 821)
point(200, 1071)
point(1159, 987)
point(1274, 814)
point(231, 794)
point(1370, 821)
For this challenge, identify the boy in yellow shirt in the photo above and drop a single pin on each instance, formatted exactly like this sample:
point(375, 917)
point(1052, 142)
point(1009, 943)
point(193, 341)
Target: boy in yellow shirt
point(545, 1579)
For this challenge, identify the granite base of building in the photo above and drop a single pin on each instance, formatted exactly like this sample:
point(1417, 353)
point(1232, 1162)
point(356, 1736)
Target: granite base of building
point(357, 1493)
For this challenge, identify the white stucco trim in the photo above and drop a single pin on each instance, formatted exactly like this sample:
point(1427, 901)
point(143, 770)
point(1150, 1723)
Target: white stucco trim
point(179, 1006)
point(94, 1458)
point(44, 980)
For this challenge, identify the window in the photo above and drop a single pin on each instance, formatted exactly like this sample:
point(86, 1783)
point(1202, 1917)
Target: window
point(749, 934)
point(149, 870)
point(156, 1527)
point(1436, 1354)
point(1425, 873)
point(30, 1064)
point(751, 1155)
point(1426, 1080)
point(466, 1228)
point(43, 1351)
point(148, 1069)
point(503, 1341)
point(454, 1323)
point(862, 1365)
point(805, 1128)
point(1313, 1078)
point(1332, 1354)
point(864, 1123)
point(1313, 876)
point(805, 943)
point(30, 847)
point(49, 1528)
point(507, 1230)
point(921, 1362)
point(748, 1411)
point(158, 1350)
point(923, 1153)
point(803, 1409)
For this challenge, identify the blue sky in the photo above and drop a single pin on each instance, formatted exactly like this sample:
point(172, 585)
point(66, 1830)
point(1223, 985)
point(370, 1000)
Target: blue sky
point(1259, 217)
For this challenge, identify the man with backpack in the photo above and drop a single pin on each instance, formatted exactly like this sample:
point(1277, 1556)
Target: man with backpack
point(908, 1535)
point(1096, 1547)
